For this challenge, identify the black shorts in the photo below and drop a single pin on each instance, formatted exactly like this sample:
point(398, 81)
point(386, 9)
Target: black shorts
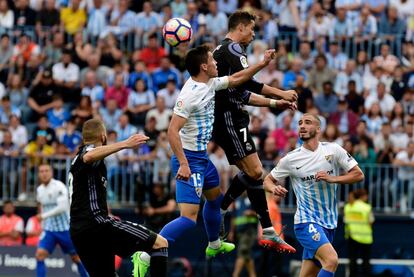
point(232, 134)
point(97, 247)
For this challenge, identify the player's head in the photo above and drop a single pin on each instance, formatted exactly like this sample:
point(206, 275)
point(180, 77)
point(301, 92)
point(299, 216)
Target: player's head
point(242, 23)
point(45, 173)
point(200, 60)
point(94, 132)
point(309, 127)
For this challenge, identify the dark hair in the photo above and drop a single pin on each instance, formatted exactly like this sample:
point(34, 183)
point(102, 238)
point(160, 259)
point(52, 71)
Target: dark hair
point(195, 58)
point(138, 80)
point(321, 57)
point(7, 202)
point(5, 36)
point(238, 17)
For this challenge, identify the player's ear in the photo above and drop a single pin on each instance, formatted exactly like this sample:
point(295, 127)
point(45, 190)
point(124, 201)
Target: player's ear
point(203, 67)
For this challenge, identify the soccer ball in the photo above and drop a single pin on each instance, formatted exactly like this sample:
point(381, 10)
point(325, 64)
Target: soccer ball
point(176, 31)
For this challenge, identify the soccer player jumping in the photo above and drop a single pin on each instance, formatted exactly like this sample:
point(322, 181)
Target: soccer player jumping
point(231, 125)
point(314, 172)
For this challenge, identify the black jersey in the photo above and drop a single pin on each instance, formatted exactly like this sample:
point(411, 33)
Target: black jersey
point(231, 57)
point(88, 183)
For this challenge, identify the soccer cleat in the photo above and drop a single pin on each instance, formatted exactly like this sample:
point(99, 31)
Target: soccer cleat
point(140, 266)
point(224, 248)
point(275, 242)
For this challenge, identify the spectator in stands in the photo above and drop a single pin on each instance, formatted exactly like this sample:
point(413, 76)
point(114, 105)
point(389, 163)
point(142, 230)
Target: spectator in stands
point(385, 100)
point(270, 73)
point(6, 53)
point(43, 125)
point(25, 47)
point(38, 150)
point(152, 53)
point(53, 51)
point(58, 115)
point(218, 158)
point(364, 152)
point(362, 62)
point(118, 92)
point(403, 7)
point(18, 131)
point(216, 21)
point(110, 113)
point(408, 101)
point(391, 26)
point(268, 118)
point(327, 101)
point(195, 19)
point(165, 72)
point(305, 96)
point(140, 101)
point(71, 137)
point(147, 21)
point(320, 25)
point(7, 147)
point(11, 226)
point(269, 152)
point(84, 111)
point(372, 78)
point(33, 229)
point(140, 72)
point(355, 100)
point(350, 73)
point(170, 93)
point(332, 134)
point(109, 51)
point(342, 26)
point(96, 19)
point(178, 8)
point(23, 14)
point(282, 135)
point(73, 18)
point(161, 113)
point(383, 144)
point(6, 15)
point(352, 7)
point(290, 76)
point(151, 132)
point(9, 171)
point(305, 55)
point(122, 19)
point(7, 110)
point(386, 60)
point(295, 115)
point(17, 93)
point(257, 132)
point(398, 85)
point(374, 119)
point(365, 27)
point(337, 60)
point(124, 129)
point(66, 73)
point(101, 72)
point(48, 19)
point(405, 161)
point(92, 89)
point(319, 74)
point(345, 119)
point(397, 117)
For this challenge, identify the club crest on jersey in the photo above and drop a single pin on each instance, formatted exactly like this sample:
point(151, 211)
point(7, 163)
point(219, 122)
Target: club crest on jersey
point(104, 182)
point(316, 237)
point(243, 62)
point(199, 191)
point(248, 146)
point(329, 158)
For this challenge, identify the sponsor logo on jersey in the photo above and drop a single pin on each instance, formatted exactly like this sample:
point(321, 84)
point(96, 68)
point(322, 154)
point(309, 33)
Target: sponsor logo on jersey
point(313, 177)
point(329, 158)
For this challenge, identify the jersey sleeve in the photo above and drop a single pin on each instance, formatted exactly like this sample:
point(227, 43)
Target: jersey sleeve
point(183, 107)
point(19, 227)
point(281, 171)
point(221, 83)
point(344, 159)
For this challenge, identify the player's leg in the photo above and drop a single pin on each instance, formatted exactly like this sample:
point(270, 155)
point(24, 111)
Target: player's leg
point(309, 269)
point(238, 266)
point(328, 257)
point(46, 246)
point(65, 242)
point(211, 212)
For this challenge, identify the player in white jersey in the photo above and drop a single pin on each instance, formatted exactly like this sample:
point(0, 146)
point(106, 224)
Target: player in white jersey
point(53, 197)
point(314, 170)
point(189, 132)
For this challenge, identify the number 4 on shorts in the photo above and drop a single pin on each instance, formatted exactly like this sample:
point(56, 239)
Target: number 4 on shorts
point(312, 229)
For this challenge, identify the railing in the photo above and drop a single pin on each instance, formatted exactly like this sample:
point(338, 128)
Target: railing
point(130, 41)
point(131, 182)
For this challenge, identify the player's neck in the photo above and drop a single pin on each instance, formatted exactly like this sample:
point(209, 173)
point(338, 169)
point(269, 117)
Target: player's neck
point(233, 36)
point(311, 144)
point(201, 78)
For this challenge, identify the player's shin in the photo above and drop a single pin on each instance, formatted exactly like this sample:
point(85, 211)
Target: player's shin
point(235, 189)
point(325, 273)
point(257, 197)
point(159, 259)
point(212, 219)
point(82, 270)
point(41, 269)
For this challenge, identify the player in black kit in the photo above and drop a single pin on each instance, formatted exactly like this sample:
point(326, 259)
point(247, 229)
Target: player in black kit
point(231, 123)
point(97, 236)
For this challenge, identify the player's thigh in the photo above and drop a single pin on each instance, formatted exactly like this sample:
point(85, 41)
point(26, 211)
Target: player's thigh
point(189, 210)
point(65, 242)
point(211, 187)
point(309, 269)
point(47, 241)
point(327, 256)
point(251, 165)
point(311, 236)
point(126, 237)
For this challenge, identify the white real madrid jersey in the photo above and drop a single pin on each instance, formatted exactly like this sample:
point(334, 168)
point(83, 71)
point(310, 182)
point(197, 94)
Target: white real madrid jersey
point(54, 201)
point(316, 201)
point(196, 103)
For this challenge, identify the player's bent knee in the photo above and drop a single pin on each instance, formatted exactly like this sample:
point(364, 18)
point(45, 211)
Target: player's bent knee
point(41, 254)
point(330, 263)
point(160, 242)
point(256, 173)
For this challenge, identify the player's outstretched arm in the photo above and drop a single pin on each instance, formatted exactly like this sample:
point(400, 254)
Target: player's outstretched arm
point(289, 95)
point(244, 75)
point(177, 122)
point(260, 101)
point(354, 175)
point(271, 185)
point(101, 152)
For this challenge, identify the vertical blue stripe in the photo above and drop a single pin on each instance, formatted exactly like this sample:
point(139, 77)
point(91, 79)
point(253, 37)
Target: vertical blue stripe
point(315, 203)
point(306, 204)
point(200, 131)
point(322, 195)
point(335, 207)
point(329, 220)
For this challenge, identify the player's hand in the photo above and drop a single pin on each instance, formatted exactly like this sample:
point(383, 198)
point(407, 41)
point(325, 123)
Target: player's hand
point(285, 104)
point(280, 191)
point(183, 173)
point(290, 95)
point(324, 176)
point(136, 140)
point(269, 55)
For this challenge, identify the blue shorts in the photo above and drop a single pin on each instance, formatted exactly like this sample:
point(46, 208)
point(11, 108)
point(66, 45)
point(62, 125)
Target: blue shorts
point(312, 236)
point(204, 176)
point(49, 240)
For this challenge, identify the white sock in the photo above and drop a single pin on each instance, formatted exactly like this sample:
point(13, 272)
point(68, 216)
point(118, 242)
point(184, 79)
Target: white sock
point(145, 257)
point(215, 244)
point(222, 212)
point(268, 231)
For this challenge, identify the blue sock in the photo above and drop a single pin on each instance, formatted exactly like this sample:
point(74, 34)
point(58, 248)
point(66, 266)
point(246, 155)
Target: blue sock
point(82, 270)
point(212, 218)
point(40, 269)
point(324, 273)
point(176, 228)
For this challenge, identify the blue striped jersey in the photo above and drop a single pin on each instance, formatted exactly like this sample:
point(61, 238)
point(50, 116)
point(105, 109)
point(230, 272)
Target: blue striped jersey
point(316, 201)
point(196, 103)
point(54, 200)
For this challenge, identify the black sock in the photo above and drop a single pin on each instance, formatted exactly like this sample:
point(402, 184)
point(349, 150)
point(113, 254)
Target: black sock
point(257, 197)
point(236, 189)
point(159, 259)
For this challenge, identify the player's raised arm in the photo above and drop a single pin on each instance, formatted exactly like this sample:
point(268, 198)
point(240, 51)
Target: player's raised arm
point(260, 101)
point(177, 122)
point(243, 76)
point(355, 175)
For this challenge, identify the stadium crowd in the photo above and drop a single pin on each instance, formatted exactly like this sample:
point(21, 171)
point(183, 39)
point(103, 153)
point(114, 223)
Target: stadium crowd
point(63, 62)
